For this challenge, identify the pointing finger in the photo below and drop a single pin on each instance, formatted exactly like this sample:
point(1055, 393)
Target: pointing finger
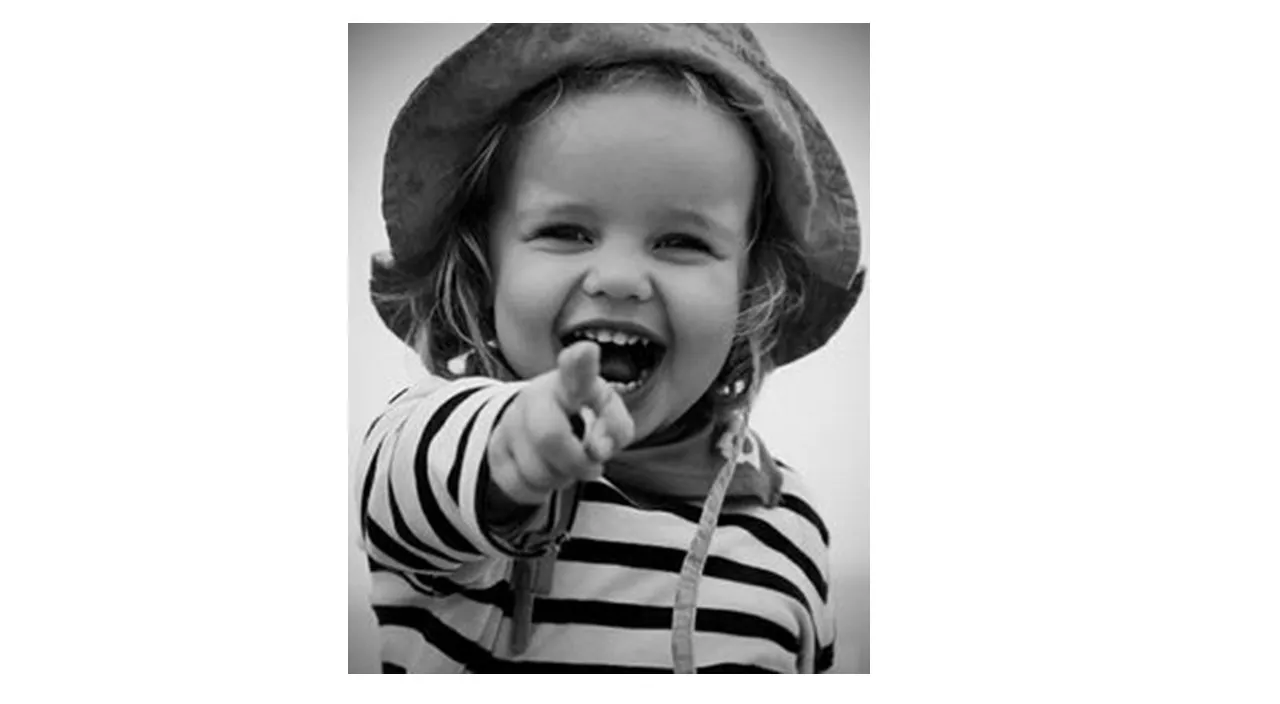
point(614, 423)
point(580, 382)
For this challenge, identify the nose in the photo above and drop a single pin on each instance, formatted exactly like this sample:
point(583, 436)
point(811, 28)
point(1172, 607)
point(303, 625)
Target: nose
point(618, 273)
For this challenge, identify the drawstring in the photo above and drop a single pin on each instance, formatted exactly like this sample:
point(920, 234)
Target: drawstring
point(532, 576)
point(686, 604)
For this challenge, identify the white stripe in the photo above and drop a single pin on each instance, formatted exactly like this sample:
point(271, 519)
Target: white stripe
point(442, 454)
point(402, 645)
point(380, 512)
point(476, 449)
point(618, 523)
point(404, 481)
point(628, 585)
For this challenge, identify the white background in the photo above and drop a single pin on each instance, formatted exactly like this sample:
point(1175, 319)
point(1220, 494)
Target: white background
point(813, 414)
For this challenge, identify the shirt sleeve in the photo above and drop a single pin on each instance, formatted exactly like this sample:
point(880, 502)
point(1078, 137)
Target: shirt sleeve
point(423, 475)
point(825, 626)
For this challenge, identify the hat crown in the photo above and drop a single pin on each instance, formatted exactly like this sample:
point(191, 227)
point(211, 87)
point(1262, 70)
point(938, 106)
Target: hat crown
point(447, 115)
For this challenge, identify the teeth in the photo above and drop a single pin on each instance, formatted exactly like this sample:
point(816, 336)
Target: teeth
point(613, 337)
point(630, 385)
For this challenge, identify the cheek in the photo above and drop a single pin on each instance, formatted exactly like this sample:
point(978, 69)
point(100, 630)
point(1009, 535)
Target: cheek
point(514, 299)
point(708, 318)
point(529, 287)
point(526, 304)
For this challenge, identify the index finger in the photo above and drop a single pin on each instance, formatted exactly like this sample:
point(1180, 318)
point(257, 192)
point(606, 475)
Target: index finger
point(614, 422)
point(579, 371)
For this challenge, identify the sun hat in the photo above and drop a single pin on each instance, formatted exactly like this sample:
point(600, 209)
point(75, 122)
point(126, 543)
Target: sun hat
point(447, 115)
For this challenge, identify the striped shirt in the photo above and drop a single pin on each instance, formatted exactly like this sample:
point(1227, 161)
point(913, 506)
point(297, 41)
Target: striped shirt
point(441, 577)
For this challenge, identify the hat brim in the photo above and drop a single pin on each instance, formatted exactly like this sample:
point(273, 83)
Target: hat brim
point(447, 115)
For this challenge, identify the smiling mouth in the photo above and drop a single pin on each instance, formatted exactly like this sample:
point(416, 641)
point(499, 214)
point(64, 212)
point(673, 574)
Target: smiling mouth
point(627, 359)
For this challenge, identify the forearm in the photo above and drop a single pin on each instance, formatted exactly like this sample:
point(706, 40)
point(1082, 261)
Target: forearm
point(428, 500)
point(420, 476)
point(503, 513)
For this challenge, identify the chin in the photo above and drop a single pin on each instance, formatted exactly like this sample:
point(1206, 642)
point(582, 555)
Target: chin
point(655, 413)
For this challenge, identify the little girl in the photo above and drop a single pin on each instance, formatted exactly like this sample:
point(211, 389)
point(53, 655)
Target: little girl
point(603, 237)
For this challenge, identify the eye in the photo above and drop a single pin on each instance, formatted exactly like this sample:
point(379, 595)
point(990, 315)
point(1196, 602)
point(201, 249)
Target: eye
point(682, 241)
point(563, 233)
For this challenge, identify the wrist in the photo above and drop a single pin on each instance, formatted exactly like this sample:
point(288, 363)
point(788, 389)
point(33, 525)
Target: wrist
point(515, 489)
point(509, 486)
point(502, 511)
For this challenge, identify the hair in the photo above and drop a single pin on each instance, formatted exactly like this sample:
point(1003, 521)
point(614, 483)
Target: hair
point(448, 298)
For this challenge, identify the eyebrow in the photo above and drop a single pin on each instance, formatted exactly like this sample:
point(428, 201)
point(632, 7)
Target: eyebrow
point(539, 211)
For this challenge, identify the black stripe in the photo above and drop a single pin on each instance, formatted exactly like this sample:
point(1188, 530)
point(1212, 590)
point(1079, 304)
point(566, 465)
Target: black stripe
point(601, 613)
point(373, 425)
point(422, 583)
point(405, 532)
point(446, 532)
point(412, 580)
point(826, 658)
point(722, 568)
point(769, 535)
point(390, 668)
point(611, 614)
point(498, 595)
point(617, 614)
point(652, 557)
point(797, 504)
point(573, 668)
point(640, 616)
point(455, 473)
point(367, 490)
point(388, 546)
point(738, 623)
point(505, 405)
point(760, 529)
point(390, 401)
point(607, 552)
point(448, 641)
point(725, 668)
point(476, 659)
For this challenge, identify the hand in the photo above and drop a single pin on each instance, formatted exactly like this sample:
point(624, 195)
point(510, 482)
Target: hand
point(534, 451)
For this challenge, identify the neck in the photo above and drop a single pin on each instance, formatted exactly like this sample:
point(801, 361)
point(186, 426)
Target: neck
point(693, 421)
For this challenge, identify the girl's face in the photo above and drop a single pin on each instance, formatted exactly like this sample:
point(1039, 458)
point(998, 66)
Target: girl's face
point(625, 219)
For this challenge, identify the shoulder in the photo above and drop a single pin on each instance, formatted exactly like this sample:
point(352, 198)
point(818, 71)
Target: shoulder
point(786, 536)
point(798, 499)
point(434, 386)
point(438, 399)
point(439, 394)
point(795, 497)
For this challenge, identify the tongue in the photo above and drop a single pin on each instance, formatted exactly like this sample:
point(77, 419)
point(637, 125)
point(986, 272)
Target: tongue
point(616, 365)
